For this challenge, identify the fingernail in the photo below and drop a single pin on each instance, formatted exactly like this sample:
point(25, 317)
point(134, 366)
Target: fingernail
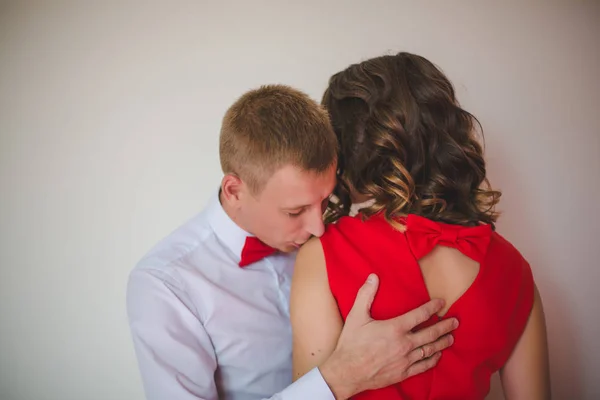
point(372, 278)
point(451, 339)
point(455, 323)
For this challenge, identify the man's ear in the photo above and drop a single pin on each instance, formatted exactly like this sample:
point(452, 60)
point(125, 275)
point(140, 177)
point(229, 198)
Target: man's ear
point(233, 189)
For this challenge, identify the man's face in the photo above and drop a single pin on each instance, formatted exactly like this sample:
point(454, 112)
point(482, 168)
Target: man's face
point(289, 209)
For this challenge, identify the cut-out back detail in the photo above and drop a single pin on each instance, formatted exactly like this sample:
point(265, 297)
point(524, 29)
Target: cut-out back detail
point(447, 274)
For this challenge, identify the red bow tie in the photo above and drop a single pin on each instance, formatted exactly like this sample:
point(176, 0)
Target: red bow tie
point(254, 250)
point(424, 234)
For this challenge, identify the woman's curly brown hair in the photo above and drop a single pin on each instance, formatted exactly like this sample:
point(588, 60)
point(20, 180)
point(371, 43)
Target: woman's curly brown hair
point(406, 143)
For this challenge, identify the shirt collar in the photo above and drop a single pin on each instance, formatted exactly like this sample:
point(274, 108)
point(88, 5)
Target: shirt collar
point(227, 231)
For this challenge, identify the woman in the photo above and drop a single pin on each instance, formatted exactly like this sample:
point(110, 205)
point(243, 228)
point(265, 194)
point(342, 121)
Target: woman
point(409, 152)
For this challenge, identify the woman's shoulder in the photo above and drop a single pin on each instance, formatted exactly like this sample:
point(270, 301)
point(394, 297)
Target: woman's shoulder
point(505, 254)
point(500, 244)
point(311, 256)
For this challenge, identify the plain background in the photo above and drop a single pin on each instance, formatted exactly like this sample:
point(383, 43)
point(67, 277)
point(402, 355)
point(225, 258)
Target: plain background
point(109, 121)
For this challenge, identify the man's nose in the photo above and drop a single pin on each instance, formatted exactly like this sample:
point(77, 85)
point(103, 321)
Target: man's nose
point(315, 226)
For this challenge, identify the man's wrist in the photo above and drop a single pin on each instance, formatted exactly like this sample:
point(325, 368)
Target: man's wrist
point(332, 373)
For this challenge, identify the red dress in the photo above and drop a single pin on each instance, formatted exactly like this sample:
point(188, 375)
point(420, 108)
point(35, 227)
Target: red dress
point(492, 312)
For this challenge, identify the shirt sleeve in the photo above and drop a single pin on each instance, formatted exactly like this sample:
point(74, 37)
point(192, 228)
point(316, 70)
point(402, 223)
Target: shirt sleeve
point(310, 386)
point(174, 352)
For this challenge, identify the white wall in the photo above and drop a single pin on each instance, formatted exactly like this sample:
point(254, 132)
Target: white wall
point(109, 116)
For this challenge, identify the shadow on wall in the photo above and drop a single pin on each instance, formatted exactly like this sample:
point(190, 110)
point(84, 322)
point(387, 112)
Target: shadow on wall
point(519, 224)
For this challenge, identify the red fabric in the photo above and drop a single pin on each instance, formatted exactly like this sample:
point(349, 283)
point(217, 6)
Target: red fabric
point(492, 312)
point(254, 250)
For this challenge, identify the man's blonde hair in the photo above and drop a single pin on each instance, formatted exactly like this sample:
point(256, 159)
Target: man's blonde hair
point(273, 126)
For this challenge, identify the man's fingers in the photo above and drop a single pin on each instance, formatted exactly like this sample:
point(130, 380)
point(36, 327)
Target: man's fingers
point(421, 314)
point(430, 349)
point(434, 334)
point(423, 365)
point(361, 310)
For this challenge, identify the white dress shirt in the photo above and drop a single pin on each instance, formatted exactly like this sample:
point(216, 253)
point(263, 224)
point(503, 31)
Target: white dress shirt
point(204, 328)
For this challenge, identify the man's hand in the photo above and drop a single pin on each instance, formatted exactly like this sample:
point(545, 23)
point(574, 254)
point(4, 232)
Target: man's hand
point(373, 354)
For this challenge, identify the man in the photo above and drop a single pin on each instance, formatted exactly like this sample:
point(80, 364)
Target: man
point(208, 306)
